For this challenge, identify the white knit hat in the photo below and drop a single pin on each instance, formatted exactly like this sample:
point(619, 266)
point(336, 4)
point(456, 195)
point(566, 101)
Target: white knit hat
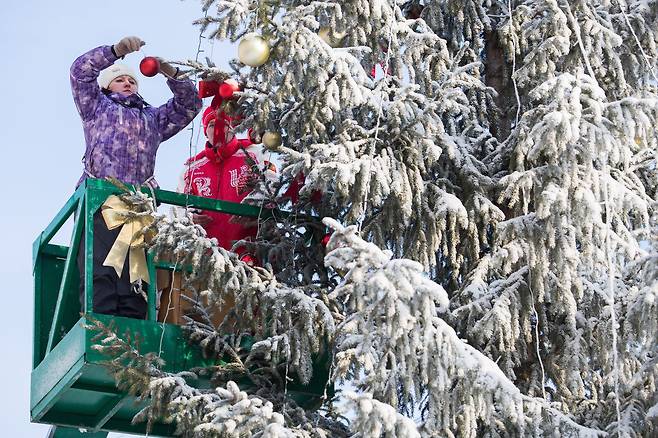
point(113, 72)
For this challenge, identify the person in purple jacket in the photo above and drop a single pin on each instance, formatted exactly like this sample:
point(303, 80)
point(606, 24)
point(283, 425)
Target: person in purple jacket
point(122, 135)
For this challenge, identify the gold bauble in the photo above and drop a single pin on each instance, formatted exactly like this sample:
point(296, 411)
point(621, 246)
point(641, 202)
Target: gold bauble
point(253, 50)
point(330, 37)
point(271, 140)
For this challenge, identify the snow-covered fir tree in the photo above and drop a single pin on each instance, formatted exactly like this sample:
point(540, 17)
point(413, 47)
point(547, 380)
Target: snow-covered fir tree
point(491, 189)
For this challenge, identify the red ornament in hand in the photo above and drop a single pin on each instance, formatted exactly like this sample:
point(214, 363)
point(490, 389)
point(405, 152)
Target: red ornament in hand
point(149, 66)
point(228, 88)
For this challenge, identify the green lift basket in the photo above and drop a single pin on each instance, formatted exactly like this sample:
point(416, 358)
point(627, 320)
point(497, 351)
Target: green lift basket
point(70, 388)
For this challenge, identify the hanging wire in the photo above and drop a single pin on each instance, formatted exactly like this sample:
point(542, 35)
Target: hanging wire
point(380, 110)
point(537, 338)
point(516, 124)
point(260, 210)
point(516, 88)
point(576, 27)
point(169, 306)
point(212, 48)
point(285, 385)
point(188, 184)
point(255, 27)
point(608, 249)
point(611, 287)
point(637, 40)
point(187, 190)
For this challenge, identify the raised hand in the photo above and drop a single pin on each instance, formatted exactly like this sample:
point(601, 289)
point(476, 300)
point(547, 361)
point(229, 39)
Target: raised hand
point(167, 69)
point(128, 45)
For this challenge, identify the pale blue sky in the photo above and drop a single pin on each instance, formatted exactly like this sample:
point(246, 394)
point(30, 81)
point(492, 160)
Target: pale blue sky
point(41, 139)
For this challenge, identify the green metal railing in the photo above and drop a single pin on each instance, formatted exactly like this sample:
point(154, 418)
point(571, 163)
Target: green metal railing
point(86, 200)
point(70, 386)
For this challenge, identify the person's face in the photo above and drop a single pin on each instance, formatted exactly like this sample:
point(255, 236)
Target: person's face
point(125, 85)
point(210, 133)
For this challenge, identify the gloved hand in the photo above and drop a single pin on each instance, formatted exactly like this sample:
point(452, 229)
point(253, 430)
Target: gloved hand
point(201, 219)
point(167, 69)
point(127, 45)
point(198, 217)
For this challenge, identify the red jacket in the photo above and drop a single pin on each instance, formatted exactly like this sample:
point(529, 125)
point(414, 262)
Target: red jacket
point(219, 173)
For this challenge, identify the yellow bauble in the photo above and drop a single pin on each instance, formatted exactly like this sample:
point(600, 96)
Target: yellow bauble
point(330, 37)
point(271, 140)
point(253, 50)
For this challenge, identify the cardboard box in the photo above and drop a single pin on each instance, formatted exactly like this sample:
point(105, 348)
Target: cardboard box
point(173, 306)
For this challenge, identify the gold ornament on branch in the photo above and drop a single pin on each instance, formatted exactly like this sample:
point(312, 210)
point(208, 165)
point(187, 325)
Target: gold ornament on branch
point(131, 238)
point(331, 37)
point(253, 50)
point(271, 140)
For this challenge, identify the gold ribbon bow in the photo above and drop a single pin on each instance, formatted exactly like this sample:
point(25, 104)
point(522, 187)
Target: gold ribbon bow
point(130, 239)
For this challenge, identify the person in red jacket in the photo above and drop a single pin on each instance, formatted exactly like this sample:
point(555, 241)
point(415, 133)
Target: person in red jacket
point(221, 171)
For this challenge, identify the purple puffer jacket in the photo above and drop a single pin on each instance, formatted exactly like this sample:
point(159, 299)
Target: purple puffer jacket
point(123, 133)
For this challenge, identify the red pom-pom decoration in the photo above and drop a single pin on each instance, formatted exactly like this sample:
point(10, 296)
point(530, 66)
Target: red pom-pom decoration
point(228, 88)
point(149, 66)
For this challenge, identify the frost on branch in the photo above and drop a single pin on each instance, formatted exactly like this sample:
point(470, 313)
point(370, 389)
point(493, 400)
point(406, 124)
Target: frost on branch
point(401, 153)
point(507, 147)
point(289, 328)
point(540, 303)
point(375, 419)
point(396, 346)
point(223, 412)
point(293, 324)
point(578, 188)
point(612, 44)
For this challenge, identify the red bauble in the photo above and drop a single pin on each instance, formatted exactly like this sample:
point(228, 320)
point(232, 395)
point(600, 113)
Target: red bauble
point(149, 66)
point(325, 240)
point(248, 259)
point(228, 88)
